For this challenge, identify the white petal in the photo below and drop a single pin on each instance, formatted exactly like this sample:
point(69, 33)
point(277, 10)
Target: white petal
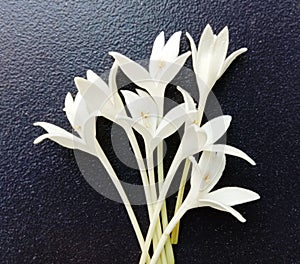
point(135, 72)
point(205, 49)
point(142, 109)
point(66, 142)
point(207, 38)
point(69, 101)
point(233, 196)
point(94, 78)
point(171, 122)
point(69, 106)
point(196, 175)
point(230, 59)
point(212, 165)
point(230, 151)
point(219, 53)
point(60, 136)
point(52, 129)
point(171, 69)
point(189, 101)
point(125, 121)
point(80, 112)
point(89, 131)
point(193, 49)
point(216, 128)
point(118, 104)
point(222, 207)
point(158, 45)
point(192, 141)
point(171, 49)
point(130, 99)
point(94, 97)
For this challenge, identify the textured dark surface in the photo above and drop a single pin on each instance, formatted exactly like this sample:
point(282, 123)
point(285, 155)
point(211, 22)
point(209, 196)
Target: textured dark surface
point(49, 214)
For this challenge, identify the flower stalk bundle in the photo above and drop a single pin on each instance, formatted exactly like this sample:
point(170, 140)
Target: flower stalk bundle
point(145, 115)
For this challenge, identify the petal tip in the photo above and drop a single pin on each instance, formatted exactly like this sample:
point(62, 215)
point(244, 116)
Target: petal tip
point(36, 123)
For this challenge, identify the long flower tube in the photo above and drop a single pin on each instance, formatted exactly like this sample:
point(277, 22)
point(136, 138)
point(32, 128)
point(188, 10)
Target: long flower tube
point(205, 176)
point(112, 96)
point(60, 136)
point(194, 140)
point(81, 115)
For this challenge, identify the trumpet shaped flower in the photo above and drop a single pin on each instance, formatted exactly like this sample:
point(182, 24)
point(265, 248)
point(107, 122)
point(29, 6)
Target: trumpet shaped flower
point(81, 121)
point(204, 138)
point(102, 98)
point(94, 97)
point(205, 176)
point(165, 63)
point(146, 120)
point(209, 60)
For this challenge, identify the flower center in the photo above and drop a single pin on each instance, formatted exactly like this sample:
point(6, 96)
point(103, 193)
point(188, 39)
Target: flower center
point(161, 64)
point(78, 128)
point(206, 178)
point(196, 122)
point(145, 117)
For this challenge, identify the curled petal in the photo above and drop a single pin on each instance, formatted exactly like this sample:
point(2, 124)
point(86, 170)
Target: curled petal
point(230, 151)
point(188, 100)
point(193, 49)
point(135, 72)
point(233, 196)
point(222, 207)
point(60, 136)
point(230, 59)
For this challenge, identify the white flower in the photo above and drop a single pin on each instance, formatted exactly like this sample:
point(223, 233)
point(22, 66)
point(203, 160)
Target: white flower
point(197, 139)
point(145, 118)
point(209, 61)
point(163, 66)
point(80, 120)
point(94, 97)
point(205, 176)
point(101, 98)
point(190, 108)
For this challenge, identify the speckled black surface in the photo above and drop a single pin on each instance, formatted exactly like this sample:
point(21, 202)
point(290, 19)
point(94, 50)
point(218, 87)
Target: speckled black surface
point(49, 214)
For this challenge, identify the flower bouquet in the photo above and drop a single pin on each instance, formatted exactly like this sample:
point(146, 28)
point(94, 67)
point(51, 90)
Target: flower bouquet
point(142, 111)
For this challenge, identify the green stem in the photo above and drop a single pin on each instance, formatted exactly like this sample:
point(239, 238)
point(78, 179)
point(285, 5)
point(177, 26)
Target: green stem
point(158, 231)
point(164, 214)
point(175, 232)
point(176, 218)
point(164, 190)
point(145, 180)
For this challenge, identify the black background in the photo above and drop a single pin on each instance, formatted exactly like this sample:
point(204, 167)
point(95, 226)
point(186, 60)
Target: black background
point(49, 214)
